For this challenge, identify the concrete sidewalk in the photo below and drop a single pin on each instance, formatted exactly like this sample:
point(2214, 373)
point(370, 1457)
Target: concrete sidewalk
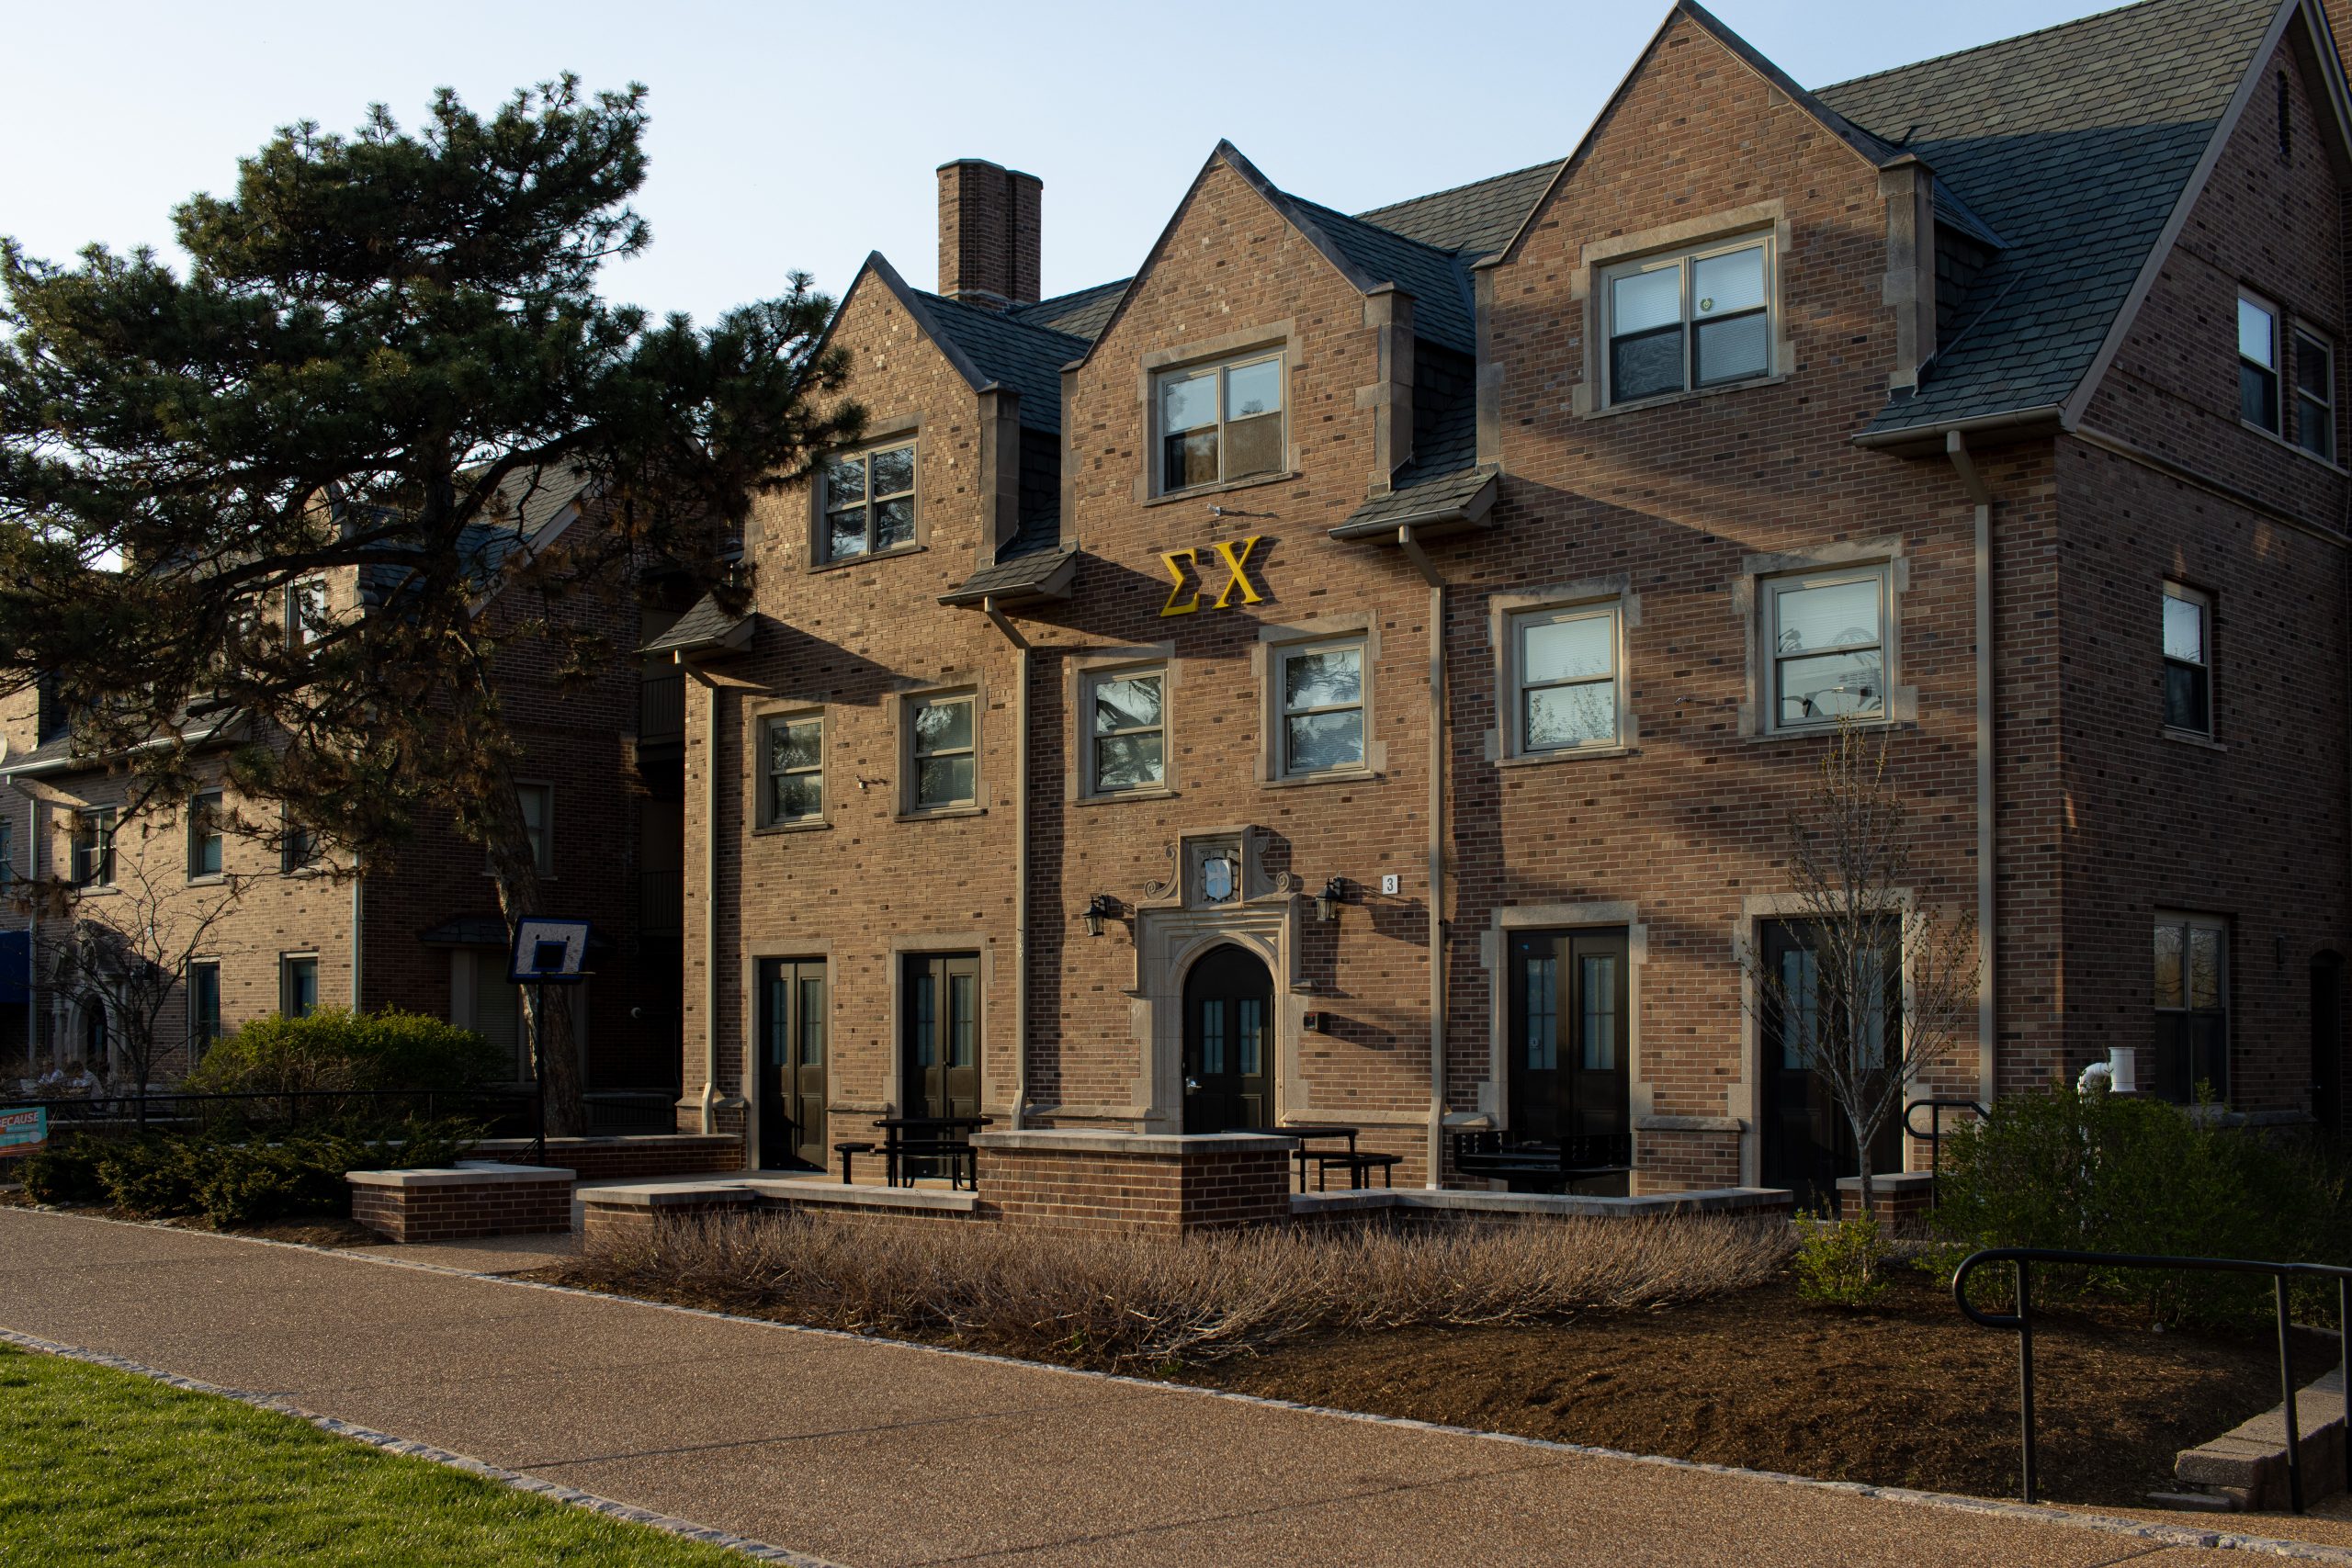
point(868, 1453)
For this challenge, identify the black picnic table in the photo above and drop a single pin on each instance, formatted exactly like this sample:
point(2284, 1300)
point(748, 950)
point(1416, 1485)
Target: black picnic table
point(1307, 1132)
point(906, 1139)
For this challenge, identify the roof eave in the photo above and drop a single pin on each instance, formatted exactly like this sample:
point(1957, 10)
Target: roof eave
point(1054, 586)
point(1475, 510)
point(1927, 440)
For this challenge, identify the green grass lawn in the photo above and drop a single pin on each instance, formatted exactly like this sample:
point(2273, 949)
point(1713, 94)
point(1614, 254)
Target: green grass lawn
point(97, 1465)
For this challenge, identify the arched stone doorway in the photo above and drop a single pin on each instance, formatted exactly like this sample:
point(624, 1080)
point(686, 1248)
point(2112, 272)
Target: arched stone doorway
point(1228, 1042)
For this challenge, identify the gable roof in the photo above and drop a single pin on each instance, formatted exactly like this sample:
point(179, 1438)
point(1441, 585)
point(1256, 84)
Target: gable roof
point(1012, 352)
point(2077, 144)
point(1471, 220)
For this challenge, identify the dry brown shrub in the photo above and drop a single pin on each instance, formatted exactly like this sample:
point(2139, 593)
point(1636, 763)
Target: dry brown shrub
point(1127, 1302)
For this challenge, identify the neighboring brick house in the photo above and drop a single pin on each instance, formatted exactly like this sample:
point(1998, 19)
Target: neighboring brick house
point(425, 934)
point(1993, 400)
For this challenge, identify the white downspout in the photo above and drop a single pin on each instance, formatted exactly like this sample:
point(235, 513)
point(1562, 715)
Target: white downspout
point(1420, 557)
point(708, 1107)
point(1020, 859)
point(356, 947)
point(32, 939)
point(1987, 1010)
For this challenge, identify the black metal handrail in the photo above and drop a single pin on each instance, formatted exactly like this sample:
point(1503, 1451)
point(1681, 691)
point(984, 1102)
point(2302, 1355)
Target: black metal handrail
point(1935, 1136)
point(2021, 1320)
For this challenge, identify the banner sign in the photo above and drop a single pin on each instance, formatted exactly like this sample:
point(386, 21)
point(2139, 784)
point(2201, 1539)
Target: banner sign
point(22, 1132)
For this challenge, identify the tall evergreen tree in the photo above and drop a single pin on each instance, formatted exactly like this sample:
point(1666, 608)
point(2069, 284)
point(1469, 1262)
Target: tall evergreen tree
point(381, 350)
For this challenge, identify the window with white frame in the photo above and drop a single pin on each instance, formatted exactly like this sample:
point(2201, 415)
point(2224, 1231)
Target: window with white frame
point(869, 502)
point(1565, 662)
point(1219, 423)
point(1321, 688)
point(1127, 736)
point(2188, 667)
point(306, 612)
point(1700, 318)
point(795, 769)
point(2192, 1006)
point(298, 985)
point(1826, 634)
point(203, 1007)
point(299, 845)
point(943, 751)
point(2258, 363)
point(93, 864)
point(2315, 394)
point(204, 834)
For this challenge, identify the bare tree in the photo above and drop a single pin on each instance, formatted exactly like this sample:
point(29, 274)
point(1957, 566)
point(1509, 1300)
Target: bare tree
point(130, 954)
point(1883, 987)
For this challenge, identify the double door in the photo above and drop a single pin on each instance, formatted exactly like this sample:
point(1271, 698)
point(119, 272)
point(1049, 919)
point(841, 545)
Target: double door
point(1570, 1044)
point(1807, 1143)
point(1228, 1042)
point(792, 1063)
point(939, 1052)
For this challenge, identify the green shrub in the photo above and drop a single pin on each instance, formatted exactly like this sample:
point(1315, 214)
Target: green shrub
point(63, 1170)
point(238, 1181)
point(1840, 1262)
point(2099, 1172)
point(334, 1049)
point(154, 1177)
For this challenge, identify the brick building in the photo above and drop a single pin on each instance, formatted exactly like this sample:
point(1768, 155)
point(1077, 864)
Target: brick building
point(1358, 669)
point(281, 927)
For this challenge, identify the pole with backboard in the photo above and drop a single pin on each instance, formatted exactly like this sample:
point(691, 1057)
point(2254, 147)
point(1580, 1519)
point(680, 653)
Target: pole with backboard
point(547, 953)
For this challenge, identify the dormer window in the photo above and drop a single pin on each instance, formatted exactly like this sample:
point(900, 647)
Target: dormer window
point(869, 502)
point(1696, 319)
point(1219, 423)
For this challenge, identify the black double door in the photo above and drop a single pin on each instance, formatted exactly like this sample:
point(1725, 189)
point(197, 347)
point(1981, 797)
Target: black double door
point(1570, 1043)
point(939, 1050)
point(1228, 1042)
point(792, 1063)
point(1807, 1143)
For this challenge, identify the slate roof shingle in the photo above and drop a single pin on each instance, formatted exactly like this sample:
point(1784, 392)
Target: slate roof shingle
point(1024, 356)
point(707, 625)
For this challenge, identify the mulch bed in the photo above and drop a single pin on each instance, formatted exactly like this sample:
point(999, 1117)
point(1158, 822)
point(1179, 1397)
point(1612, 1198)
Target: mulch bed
point(1908, 1393)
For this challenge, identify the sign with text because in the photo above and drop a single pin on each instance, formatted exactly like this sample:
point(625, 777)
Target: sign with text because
point(1234, 553)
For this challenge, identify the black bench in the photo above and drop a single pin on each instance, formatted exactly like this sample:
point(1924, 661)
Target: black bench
point(962, 1160)
point(1359, 1167)
point(848, 1152)
point(1551, 1166)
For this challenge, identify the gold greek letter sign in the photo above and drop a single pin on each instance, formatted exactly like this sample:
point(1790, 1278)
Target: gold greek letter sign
point(1234, 553)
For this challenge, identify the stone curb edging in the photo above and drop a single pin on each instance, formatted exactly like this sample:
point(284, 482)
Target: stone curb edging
point(666, 1523)
point(2046, 1513)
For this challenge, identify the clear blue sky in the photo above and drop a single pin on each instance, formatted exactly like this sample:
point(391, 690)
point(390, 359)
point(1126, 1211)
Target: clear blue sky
point(790, 135)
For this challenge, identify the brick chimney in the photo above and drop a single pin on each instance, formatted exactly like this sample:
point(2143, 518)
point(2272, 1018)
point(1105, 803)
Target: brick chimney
point(988, 233)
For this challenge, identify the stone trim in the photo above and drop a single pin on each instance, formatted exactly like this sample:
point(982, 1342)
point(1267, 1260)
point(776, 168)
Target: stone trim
point(1503, 741)
point(485, 1173)
point(1158, 1145)
point(1746, 602)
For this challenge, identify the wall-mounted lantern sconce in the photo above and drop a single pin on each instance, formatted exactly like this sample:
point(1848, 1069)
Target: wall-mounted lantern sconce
point(1326, 903)
point(1102, 907)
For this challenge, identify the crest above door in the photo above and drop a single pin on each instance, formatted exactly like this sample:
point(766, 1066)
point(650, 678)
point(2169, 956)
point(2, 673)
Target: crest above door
point(1220, 868)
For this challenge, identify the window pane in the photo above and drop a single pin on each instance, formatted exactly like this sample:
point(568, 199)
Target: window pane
point(2184, 629)
point(2168, 993)
point(1187, 402)
point(1212, 1035)
point(795, 746)
point(846, 534)
point(1253, 389)
point(925, 1017)
point(1249, 1036)
point(1565, 650)
point(1840, 614)
point(1732, 349)
point(2315, 428)
point(1253, 447)
point(1130, 702)
point(943, 780)
point(1542, 1013)
point(963, 1019)
point(812, 1023)
point(1721, 286)
point(845, 481)
point(894, 471)
point(1645, 366)
point(1558, 716)
point(2257, 396)
point(1323, 741)
point(1328, 678)
point(2312, 372)
point(533, 799)
point(1188, 460)
point(1799, 993)
point(1127, 761)
point(797, 795)
point(943, 727)
point(2204, 967)
point(894, 524)
point(1641, 300)
point(2257, 335)
point(2187, 702)
point(1600, 983)
point(1831, 686)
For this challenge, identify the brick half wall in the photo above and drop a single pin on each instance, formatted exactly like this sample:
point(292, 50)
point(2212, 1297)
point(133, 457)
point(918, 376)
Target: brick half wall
point(1139, 1183)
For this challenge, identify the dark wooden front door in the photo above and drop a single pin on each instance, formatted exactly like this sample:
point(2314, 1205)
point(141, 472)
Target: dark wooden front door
point(939, 1059)
point(1228, 1042)
point(792, 1063)
point(1570, 1042)
point(1807, 1143)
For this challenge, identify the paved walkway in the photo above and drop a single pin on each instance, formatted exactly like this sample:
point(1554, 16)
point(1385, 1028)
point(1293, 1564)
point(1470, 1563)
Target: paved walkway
point(870, 1454)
